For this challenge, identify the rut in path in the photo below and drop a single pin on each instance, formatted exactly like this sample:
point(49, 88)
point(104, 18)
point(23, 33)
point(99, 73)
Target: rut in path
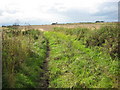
point(44, 80)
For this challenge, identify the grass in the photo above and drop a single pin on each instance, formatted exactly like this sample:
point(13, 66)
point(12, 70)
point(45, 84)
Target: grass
point(106, 38)
point(23, 56)
point(73, 65)
point(78, 57)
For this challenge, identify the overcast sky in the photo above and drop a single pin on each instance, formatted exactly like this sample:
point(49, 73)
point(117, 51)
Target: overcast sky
point(62, 11)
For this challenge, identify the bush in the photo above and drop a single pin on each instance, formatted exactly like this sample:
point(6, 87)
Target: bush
point(106, 37)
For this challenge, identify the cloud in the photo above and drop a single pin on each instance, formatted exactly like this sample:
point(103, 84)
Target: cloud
point(48, 11)
point(1, 12)
point(109, 10)
point(8, 11)
point(106, 11)
point(119, 12)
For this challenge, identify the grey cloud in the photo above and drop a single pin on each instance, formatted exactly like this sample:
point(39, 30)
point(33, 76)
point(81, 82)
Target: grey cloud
point(74, 14)
point(9, 11)
point(109, 10)
point(119, 11)
point(1, 12)
point(106, 11)
point(12, 11)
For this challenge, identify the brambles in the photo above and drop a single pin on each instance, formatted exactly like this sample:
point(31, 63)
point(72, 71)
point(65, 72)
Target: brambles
point(107, 37)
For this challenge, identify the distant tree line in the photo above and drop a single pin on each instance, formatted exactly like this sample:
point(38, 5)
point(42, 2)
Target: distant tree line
point(11, 25)
point(99, 22)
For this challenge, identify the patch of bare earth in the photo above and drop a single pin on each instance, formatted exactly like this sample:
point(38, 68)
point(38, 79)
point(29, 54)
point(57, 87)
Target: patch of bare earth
point(44, 77)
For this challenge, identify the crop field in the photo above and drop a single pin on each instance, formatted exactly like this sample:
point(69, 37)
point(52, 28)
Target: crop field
point(61, 56)
point(71, 25)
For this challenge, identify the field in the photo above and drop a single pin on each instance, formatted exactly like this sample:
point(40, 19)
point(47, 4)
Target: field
point(72, 25)
point(61, 56)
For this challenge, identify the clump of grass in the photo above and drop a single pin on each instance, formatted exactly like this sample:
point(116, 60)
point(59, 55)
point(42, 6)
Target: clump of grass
point(106, 37)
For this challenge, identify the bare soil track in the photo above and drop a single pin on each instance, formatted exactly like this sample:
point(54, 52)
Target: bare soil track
point(44, 78)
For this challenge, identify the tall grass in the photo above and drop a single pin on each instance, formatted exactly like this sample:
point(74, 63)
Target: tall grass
point(23, 56)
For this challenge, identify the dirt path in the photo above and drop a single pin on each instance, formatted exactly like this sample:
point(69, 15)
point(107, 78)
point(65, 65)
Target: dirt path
point(44, 81)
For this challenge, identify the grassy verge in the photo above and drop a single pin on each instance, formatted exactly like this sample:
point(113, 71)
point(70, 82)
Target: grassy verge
point(23, 56)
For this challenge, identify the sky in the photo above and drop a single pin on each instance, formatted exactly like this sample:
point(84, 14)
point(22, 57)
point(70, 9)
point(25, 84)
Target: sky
point(40, 12)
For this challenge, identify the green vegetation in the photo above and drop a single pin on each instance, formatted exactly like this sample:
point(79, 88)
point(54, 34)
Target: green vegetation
point(23, 56)
point(78, 58)
point(106, 37)
point(75, 64)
